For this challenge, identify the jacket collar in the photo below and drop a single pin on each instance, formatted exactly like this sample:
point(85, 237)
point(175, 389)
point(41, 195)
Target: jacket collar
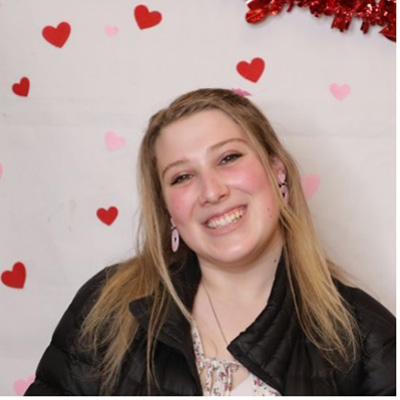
point(264, 348)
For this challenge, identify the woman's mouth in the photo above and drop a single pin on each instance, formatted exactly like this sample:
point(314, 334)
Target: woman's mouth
point(229, 218)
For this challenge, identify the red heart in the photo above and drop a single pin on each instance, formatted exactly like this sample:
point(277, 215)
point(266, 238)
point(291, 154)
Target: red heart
point(253, 70)
point(57, 36)
point(145, 18)
point(16, 277)
point(107, 216)
point(21, 88)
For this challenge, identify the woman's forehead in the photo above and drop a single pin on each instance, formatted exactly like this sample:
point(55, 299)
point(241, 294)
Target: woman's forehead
point(202, 130)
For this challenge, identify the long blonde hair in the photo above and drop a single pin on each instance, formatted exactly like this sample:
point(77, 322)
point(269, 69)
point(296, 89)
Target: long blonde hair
point(323, 315)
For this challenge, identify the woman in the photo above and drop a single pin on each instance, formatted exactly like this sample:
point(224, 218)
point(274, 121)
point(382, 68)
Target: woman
point(230, 293)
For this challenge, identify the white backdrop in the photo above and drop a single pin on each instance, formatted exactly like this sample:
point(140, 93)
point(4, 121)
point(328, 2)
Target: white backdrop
point(68, 146)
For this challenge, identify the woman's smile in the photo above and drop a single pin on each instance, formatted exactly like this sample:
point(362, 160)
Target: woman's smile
point(226, 219)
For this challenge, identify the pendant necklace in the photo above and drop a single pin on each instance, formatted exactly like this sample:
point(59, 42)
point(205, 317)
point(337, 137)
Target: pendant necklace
point(215, 314)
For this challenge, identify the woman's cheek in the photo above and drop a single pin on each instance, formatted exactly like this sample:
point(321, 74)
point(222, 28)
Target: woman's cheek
point(178, 204)
point(251, 176)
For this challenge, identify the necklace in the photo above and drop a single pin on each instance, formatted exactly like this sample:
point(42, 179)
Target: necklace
point(215, 314)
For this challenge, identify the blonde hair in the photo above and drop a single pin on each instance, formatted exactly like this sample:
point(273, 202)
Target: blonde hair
point(323, 314)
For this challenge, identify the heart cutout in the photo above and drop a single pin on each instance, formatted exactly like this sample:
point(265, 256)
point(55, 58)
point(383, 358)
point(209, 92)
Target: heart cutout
point(114, 142)
point(241, 92)
point(15, 278)
point(339, 92)
point(111, 30)
point(310, 184)
point(252, 70)
point(107, 216)
point(145, 18)
point(57, 36)
point(21, 88)
point(21, 385)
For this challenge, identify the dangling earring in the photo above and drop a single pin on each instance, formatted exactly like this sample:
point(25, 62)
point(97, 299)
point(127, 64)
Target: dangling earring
point(174, 237)
point(283, 186)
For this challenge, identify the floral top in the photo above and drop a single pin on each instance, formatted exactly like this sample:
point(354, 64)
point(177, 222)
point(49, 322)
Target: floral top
point(218, 375)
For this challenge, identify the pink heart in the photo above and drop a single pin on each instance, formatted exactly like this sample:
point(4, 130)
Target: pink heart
point(113, 142)
point(21, 385)
point(339, 92)
point(111, 30)
point(1, 170)
point(310, 184)
point(241, 92)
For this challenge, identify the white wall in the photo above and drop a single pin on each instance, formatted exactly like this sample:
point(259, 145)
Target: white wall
point(56, 170)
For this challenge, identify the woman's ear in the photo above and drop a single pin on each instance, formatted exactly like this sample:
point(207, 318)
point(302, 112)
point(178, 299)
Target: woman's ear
point(278, 166)
point(280, 172)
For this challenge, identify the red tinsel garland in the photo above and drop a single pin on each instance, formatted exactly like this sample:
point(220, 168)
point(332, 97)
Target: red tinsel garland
point(371, 12)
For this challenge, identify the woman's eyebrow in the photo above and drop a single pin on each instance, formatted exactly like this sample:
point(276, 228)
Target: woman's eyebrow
point(210, 149)
point(220, 144)
point(174, 164)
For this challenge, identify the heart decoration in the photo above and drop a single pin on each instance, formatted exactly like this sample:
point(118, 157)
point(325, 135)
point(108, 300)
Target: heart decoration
point(21, 385)
point(241, 92)
point(339, 92)
point(310, 184)
point(15, 278)
point(21, 88)
point(145, 18)
point(111, 30)
point(252, 70)
point(114, 142)
point(1, 170)
point(57, 36)
point(107, 216)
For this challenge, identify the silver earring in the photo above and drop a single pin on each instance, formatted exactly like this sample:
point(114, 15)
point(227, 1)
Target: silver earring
point(174, 237)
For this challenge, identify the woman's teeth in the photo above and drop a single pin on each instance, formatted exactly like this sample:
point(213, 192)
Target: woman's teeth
point(225, 220)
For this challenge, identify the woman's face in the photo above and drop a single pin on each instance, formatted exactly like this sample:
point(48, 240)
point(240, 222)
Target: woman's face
point(217, 190)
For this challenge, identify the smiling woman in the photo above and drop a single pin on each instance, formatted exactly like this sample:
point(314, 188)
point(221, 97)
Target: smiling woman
point(244, 302)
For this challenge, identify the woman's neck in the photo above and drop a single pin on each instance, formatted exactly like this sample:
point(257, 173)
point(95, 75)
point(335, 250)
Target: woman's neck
point(242, 284)
point(228, 300)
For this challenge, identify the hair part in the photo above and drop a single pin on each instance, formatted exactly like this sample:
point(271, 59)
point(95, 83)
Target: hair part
point(323, 314)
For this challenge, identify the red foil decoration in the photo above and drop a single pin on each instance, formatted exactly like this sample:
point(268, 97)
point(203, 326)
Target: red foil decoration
point(382, 13)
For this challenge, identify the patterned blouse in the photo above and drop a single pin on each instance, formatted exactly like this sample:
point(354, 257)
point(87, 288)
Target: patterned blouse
point(219, 373)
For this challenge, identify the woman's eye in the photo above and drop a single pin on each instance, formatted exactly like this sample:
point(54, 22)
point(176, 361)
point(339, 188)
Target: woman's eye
point(231, 157)
point(180, 179)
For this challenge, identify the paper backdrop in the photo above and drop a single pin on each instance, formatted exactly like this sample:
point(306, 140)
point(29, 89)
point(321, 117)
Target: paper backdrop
point(78, 83)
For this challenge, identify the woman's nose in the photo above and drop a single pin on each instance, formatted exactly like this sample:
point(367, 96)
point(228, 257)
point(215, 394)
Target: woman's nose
point(213, 189)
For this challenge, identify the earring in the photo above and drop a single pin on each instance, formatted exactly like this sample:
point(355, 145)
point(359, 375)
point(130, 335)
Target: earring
point(174, 237)
point(283, 186)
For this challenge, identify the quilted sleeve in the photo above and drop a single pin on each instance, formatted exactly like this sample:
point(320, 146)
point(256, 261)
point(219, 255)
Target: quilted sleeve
point(62, 370)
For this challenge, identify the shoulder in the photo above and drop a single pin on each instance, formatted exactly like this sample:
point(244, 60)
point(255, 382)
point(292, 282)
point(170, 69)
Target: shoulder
point(89, 292)
point(372, 316)
point(377, 327)
point(61, 362)
point(68, 328)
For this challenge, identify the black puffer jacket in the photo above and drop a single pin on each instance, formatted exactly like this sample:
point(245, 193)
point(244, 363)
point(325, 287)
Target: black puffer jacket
point(272, 348)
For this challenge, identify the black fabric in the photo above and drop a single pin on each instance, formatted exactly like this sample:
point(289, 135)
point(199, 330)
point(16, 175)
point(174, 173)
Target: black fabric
point(273, 348)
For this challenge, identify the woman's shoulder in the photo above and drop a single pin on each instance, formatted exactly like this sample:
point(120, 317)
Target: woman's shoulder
point(377, 327)
point(90, 290)
point(376, 324)
point(81, 304)
point(61, 362)
point(370, 313)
